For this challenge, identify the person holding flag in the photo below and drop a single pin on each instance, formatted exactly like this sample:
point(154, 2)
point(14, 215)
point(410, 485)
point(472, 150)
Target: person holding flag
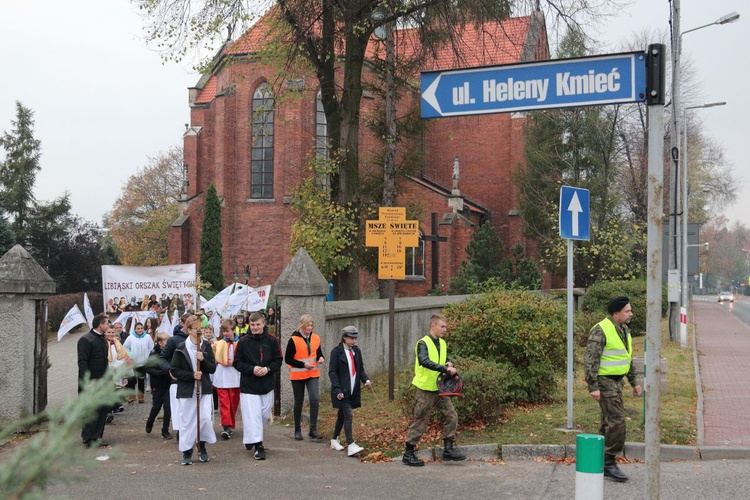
point(192, 363)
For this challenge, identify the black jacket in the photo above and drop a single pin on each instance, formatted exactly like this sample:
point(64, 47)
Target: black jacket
point(182, 370)
point(178, 337)
point(92, 355)
point(257, 350)
point(159, 375)
point(338, 372)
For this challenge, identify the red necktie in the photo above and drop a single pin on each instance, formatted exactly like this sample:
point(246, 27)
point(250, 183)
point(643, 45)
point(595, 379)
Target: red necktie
point(351, 355)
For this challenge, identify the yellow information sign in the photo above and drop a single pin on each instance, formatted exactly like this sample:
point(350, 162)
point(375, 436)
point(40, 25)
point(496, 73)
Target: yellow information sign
point(392, 233)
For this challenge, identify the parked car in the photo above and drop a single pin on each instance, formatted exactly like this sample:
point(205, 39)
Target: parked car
point(726, 296)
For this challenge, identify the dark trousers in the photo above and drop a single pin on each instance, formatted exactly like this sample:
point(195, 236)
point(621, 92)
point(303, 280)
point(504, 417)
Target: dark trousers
point(344, 419)
point(160, 399)
point(140, 379)
point(313, 394)
point(94, 429)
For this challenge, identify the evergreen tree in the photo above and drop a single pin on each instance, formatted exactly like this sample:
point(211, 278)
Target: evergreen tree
point(487, 260)
point(211, 255)
point(7, 238)
point(18, 170)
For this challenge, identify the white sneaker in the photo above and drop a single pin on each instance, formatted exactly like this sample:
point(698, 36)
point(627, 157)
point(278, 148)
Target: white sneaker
point(336, 445)
point(354, 448)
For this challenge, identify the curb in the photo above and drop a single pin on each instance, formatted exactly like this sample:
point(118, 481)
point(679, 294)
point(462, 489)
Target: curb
point(633, 451)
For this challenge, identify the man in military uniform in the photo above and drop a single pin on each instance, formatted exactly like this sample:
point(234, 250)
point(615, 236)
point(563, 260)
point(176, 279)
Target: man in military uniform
point(431, 359)
point(608, 359)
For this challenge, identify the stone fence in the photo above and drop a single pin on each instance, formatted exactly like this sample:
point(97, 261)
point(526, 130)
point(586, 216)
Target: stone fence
point(301, 289)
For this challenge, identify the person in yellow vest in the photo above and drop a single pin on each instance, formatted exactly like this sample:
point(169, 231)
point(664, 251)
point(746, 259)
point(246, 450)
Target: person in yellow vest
point(226, 379)
point(608, 360)
point(304, 355)
point(430, 361)
point(241, 326)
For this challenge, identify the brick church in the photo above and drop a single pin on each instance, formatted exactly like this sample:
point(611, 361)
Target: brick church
point(255, 160)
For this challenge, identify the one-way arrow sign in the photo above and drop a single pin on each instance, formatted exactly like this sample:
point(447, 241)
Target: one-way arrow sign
point(574, 213)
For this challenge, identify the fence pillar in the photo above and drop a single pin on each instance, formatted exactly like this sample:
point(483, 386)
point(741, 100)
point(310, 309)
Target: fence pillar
point(24, 288)
point(301, 289)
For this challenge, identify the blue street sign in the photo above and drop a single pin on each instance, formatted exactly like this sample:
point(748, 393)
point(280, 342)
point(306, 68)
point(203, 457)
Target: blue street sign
point(588, 81)
point(574, 213)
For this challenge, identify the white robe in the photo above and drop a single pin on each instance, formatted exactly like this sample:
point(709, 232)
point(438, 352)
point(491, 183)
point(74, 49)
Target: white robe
point(255, 408)
point(186, 408)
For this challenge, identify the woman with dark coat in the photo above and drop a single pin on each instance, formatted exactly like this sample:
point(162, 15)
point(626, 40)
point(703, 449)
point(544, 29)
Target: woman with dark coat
point(347, 374)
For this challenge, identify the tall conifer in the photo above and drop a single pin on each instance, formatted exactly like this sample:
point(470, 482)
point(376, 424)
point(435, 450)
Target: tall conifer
point(211, 258)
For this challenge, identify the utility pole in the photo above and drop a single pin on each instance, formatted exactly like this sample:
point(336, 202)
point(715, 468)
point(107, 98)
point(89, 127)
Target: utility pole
point(652, 376)
point(673, 291)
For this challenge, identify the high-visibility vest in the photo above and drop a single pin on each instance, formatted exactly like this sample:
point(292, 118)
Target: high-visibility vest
point(302, 354)
point(616, 356)
point(241, 331)
point(424, 378)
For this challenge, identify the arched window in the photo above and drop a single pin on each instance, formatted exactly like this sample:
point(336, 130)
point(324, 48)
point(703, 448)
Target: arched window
point(415, 260)
point(262, 143)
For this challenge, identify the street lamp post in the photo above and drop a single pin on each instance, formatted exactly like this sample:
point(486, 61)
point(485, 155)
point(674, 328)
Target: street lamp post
point(684, 283)
point(675, 140)
point(246, 273)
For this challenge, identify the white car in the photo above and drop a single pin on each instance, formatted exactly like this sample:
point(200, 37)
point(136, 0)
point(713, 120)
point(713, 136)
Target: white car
point(726, 296)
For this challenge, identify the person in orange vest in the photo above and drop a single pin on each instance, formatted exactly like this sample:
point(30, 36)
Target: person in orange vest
point(304, 356)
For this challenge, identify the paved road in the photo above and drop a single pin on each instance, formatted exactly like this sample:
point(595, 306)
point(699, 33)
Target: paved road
point(148, 466)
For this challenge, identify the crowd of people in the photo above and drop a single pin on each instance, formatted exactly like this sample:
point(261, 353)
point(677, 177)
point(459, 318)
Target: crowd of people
point(193, 372)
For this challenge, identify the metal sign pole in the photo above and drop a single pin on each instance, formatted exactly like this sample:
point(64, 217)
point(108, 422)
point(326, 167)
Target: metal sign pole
point(570, 334)
point(655, 187)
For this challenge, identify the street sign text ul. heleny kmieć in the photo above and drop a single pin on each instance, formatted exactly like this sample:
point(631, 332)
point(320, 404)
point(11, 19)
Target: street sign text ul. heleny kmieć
point(588, 81)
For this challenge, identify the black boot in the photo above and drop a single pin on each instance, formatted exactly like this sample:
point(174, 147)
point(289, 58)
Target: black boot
point(612, 470)
point(410, 457)
point(298, 434)
point(450, 453)
point(314, 433)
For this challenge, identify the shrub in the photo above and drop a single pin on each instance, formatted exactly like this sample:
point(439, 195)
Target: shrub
point(523, 330)
point(600, 293)
point(488, 388)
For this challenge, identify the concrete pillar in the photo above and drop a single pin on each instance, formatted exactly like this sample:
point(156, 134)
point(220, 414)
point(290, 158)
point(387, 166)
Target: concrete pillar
point(24, 288)
point(301, 289)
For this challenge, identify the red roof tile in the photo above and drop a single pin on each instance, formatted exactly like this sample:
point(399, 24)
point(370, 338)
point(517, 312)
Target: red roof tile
point(208, 92)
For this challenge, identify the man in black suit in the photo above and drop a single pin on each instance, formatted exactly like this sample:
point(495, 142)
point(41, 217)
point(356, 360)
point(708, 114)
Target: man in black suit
point(92, 359)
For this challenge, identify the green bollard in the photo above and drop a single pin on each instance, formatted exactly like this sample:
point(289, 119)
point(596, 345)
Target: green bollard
point(589, 467)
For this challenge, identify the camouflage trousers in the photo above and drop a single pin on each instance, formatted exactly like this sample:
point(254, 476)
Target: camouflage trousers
point(613, 415)
point(426, 401)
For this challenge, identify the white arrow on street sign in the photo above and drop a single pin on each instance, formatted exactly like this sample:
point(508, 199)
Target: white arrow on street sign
point(575, 210)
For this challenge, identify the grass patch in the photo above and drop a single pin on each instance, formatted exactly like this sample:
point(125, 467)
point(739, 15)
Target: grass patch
point(380, 425)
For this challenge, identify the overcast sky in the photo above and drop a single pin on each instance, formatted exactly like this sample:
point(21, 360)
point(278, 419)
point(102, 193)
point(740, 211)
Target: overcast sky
point(104, 102)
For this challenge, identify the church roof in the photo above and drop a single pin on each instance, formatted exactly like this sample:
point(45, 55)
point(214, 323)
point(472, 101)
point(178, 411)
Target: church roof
point(491, 43)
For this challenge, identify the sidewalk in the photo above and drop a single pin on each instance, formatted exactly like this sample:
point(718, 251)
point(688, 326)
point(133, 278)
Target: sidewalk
point(723, 344)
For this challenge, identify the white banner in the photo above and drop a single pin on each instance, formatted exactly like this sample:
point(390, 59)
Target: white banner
point(70, 321)
point(125, 288)
point(165, 325)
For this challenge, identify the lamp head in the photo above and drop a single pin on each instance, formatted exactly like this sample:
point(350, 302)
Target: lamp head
point(728, 18)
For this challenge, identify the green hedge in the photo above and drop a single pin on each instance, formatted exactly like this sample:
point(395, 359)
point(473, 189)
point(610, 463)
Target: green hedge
point(488, 388)
point(600, 293)
point(523, 330)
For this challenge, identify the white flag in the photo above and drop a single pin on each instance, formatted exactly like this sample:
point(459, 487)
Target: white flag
point(165, 325)
point(220, 299)
point(87, 310)
point(201, 301)
point(257, 299)
point(175, 319)
point(123, 317)
point(70, 321)
point(235, 303)
point(215, 323)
